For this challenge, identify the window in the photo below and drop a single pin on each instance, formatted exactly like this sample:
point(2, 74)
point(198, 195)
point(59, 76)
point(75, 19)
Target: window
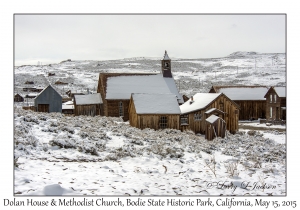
point(184, 119)
point(222, 107)
point(121, 114)
point(271, 98)
point(274, 98)
point(270, 112)
point(163, 122)
point(197, 117)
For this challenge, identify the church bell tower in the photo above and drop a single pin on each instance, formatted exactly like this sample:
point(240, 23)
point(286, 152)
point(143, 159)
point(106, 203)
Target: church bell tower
point(166, 66)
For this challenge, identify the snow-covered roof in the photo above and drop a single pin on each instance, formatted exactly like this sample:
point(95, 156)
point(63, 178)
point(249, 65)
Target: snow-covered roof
point(67, 106)
point(244, 93)
point(212, 118)
point(280, 91)
point(212, 110)
point(200, 101)
point(121, 87)
point(33, 94)
point(18, 94)
point(155, 103)
point(88, 99)
point(68, 103)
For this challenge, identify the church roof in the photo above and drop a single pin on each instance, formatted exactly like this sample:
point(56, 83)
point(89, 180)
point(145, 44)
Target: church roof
point(121, 87)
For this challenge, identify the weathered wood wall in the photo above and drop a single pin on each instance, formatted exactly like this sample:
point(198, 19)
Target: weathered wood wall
point(32, 108)
point(89, 110)
point(152, 121)
point(277, 113)
point(112, 108)
point(252, 109)
point(43, 107)
point(217, 128)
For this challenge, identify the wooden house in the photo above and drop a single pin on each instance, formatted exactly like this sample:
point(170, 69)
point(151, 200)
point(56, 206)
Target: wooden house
point(18, 98)
point(89, 105)
point(49, 100)
point(51, 74)
point(276, 103)
point(201, 106)
point(185, 98)
point(156, 111)
point(60, 83)
point(33, 89)
point(250, 99)
point(215, 127)
point(116, 88)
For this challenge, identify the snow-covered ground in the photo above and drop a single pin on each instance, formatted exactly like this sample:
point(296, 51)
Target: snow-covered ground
point(63, 155)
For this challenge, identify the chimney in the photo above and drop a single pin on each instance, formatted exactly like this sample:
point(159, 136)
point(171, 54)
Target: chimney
point(192, 100)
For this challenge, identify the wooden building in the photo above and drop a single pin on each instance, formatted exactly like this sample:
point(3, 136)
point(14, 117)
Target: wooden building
point(89, 105)
point(215, 127)
point(250, 99)
point(60, 83)
point(276, 103)
point(116, 88)
point(185, 98)
point(18, 98)
point(156, 111)
point(33, 89)
point(201, 106)
point(49, 100)
point(51, 74)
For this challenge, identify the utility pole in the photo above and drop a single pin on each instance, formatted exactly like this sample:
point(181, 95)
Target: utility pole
point(255, 62)
point(237, 69)
point(272, 61)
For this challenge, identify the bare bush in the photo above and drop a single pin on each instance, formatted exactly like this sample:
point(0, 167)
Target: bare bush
point(211, 164)
point(231, 168)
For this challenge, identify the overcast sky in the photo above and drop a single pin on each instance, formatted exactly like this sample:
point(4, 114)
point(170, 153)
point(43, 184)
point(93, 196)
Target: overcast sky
point(53, 38)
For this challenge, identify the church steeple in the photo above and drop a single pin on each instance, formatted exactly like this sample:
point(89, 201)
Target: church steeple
point(166, 66)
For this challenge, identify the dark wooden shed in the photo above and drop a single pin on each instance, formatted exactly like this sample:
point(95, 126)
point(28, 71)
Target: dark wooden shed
point(49, 100)
point(18, 98)
point(89, 105)
point(215, 127)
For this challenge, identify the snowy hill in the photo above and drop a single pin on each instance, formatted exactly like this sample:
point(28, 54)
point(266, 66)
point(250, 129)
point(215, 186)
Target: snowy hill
point(191, 75)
